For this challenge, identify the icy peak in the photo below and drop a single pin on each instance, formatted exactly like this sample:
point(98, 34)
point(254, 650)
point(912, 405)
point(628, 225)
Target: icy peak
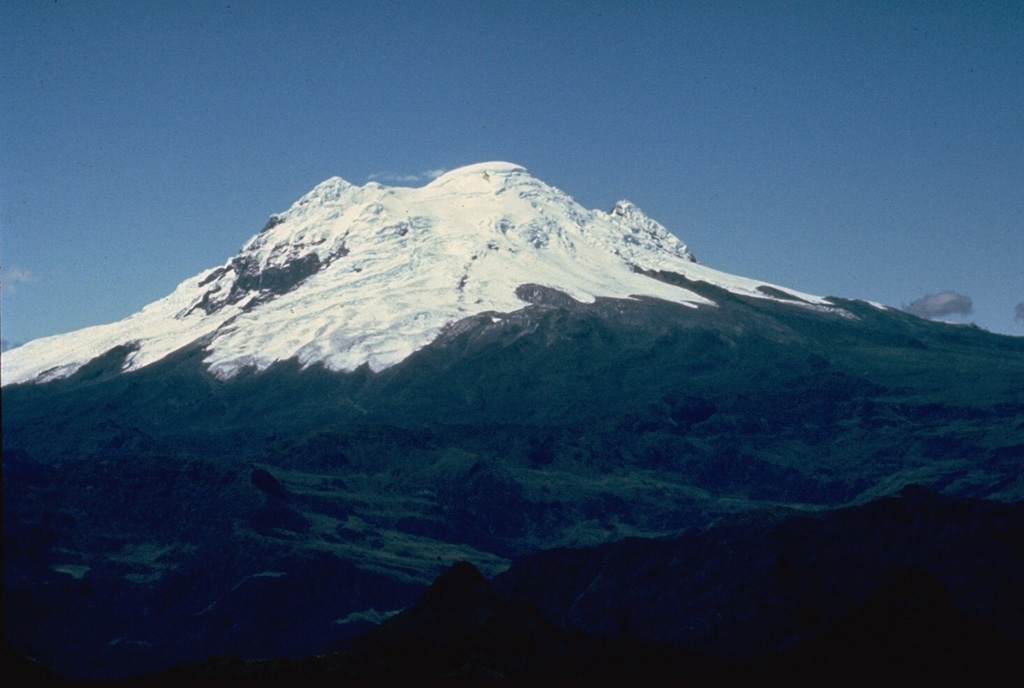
point(325, 192)
point(647, 233)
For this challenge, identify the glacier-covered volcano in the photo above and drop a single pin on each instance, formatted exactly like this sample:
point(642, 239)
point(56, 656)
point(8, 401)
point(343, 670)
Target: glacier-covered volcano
point(482, 370)
point(353, 275)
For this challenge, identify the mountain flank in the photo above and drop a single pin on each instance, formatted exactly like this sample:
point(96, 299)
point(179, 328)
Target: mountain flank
point(292, 446)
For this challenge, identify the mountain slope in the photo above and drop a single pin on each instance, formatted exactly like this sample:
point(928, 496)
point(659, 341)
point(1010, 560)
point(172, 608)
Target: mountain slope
point(355, 397)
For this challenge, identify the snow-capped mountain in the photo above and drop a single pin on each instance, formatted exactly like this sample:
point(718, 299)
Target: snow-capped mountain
point(476, 370)
point(353, 275)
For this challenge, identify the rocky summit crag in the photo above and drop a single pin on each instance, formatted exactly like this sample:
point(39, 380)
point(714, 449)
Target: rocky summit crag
point(290, 447)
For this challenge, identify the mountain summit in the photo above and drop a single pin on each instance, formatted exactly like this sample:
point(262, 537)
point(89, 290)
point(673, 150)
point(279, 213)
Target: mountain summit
point(353, 275)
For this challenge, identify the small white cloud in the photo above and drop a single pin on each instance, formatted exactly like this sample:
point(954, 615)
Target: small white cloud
point(16, 274)
point(944, 303)
point(395, 178)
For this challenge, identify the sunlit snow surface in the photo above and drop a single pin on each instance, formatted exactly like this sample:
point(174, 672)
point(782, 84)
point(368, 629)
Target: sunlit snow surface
point(392, 267)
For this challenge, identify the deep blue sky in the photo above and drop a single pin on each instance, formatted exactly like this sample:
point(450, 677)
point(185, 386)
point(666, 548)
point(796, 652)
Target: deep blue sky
point(871, 150)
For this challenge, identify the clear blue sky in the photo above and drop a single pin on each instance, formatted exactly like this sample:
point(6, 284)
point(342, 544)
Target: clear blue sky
point(870, 150)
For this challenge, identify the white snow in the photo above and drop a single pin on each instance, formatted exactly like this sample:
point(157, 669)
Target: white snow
point(397, 265)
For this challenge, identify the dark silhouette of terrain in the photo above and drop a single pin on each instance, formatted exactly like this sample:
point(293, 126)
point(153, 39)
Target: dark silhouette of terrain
point(939, 596)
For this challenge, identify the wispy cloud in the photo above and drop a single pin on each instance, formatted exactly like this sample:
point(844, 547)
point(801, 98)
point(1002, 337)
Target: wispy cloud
point(939, 305)
point(11, 277)
point(395, 178)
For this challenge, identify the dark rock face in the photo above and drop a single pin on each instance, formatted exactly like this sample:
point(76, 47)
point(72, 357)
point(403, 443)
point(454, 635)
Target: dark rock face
point(268, 282)
point(273, 278)
point(214, 275)
point(272, 222)
point(544, 296)
point(778, 293)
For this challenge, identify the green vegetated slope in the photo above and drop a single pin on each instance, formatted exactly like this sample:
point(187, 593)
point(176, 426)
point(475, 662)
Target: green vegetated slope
point(584, 422)
point(206, 502)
